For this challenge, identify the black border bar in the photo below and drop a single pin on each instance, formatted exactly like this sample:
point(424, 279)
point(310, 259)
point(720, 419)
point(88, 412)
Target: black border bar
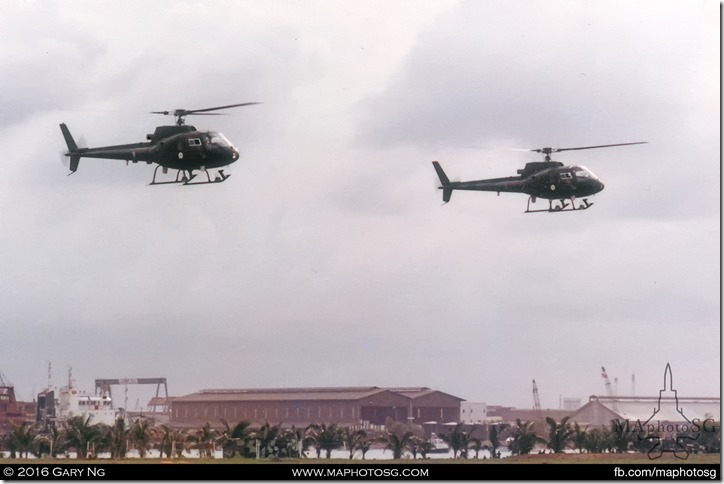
point(369, 471)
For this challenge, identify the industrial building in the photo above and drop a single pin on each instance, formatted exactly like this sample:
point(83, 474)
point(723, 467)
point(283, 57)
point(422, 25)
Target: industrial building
point(12, 411)
point(601, 411)
point(499, 413)
point(365, 407)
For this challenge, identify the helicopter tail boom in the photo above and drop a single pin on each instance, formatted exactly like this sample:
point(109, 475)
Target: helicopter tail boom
point(72, 147)
point(446, 190)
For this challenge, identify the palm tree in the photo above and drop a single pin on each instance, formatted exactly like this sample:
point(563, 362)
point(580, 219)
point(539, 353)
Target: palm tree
point(524, 438)
point(172, 442)
point(620, 438)
point(205, 439)
point(477, 445)
point(458, 440)
point(596, 440)
point(709, 440)
point(119, 439)
point(80, 434)
point(141, 434)
point(22, 438)
point(326, 437)
point(234, 438)
point(365, 444)
point(54, 439)
point(424, 447)
point(352, 439)
point(397, 443)
point(166, 441)
point(579, 437)
point(103, 439)
point(559, 434)
point(266, 438)
point(291, 442)
point(494, 438)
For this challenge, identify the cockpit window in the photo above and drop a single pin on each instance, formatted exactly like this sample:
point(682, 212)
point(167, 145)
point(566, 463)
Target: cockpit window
point(566, 176)
point(584, 172)
point(219, 139)
point(194, 142)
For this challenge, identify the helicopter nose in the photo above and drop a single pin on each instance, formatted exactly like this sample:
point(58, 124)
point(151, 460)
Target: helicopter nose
point(601, 186)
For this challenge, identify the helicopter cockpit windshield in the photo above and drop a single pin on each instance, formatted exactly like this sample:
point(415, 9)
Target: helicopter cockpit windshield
point(219, 139)
point(583, 172)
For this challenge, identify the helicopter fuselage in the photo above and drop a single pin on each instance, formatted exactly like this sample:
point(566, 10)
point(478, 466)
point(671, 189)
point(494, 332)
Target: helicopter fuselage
point(181, 147)
point(188, 149)
point(548, 180)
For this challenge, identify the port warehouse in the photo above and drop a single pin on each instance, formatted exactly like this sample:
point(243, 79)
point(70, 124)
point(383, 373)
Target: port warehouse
point(364, 407)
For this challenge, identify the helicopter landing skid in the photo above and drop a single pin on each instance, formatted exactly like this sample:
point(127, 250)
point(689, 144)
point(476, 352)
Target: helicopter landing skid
point(220, 177)
point(564, 206)
point(185, 178)
point(181, 177)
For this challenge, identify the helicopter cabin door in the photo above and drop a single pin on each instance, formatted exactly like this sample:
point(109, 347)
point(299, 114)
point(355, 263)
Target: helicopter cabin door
point(565, 179)
point(195, 148)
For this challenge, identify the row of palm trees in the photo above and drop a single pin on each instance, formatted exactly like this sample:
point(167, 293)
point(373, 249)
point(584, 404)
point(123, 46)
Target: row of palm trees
point(78, 434)
point(274, 441)
point(267, 441)
point(88, 440)
point(618, 438)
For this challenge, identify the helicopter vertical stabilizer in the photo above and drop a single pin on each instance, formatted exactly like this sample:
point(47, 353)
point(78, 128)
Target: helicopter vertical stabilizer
point(446, 191)
point(72, 148)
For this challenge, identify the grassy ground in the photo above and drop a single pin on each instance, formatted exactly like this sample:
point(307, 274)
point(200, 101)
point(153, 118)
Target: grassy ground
point(667, 458)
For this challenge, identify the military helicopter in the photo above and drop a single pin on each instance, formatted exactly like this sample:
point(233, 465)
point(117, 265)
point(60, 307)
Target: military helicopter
point(546, 179)
point(180, 147)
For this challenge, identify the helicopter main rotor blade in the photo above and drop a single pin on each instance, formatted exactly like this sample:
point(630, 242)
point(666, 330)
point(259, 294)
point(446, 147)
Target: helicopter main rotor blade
point(556, 150)
point(193, 111)
point(208, 114)
point(548, 150)
point(180, 114)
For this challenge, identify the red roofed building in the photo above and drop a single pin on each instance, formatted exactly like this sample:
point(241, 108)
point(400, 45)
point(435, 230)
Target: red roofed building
point(352, 406)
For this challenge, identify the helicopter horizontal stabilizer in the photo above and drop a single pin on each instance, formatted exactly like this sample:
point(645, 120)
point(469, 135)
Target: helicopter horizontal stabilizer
point(72, 147)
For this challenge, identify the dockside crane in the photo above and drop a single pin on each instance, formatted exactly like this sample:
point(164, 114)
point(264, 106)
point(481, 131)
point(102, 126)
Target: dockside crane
point(609, 389)
point(7, 393)
point(536, 401)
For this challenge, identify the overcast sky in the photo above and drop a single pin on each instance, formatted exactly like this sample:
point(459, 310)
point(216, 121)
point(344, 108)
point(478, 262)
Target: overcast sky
point(328, 258)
